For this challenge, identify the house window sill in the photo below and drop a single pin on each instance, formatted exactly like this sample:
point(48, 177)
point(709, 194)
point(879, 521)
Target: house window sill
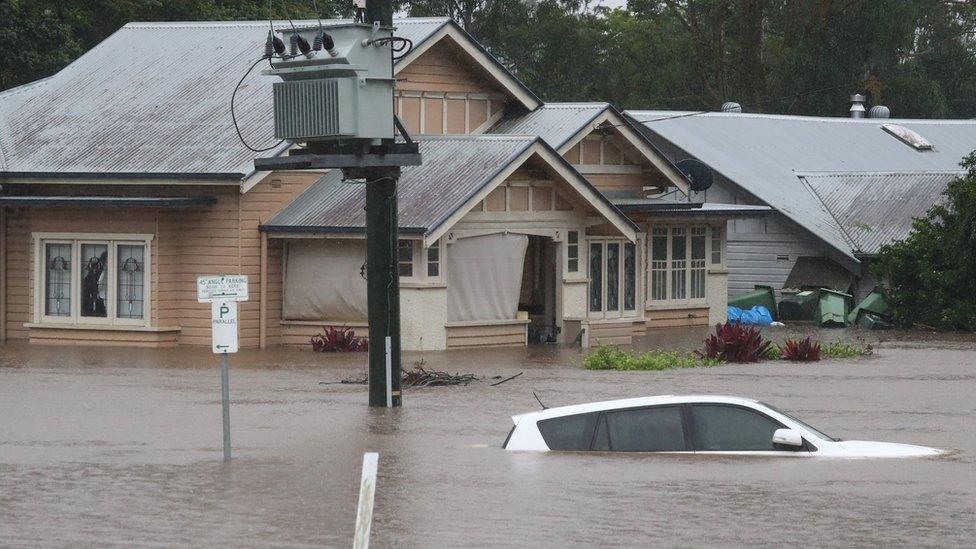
point(676, 306)
point(100, 327)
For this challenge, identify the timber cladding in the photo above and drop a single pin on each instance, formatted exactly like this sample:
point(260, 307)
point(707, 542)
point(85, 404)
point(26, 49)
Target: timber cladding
point(442, 93)
point(513, 334)
point(672, 318)
point(611, 333)
point(185, 244)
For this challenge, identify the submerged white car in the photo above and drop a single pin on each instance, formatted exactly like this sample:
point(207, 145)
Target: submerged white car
point(688, 424)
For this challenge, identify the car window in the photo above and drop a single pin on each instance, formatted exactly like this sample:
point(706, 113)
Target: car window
point(568, 432)
point(656, 429)
point(729, 428)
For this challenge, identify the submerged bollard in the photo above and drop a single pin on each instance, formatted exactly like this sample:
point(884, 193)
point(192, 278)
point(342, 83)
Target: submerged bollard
point(367, 490)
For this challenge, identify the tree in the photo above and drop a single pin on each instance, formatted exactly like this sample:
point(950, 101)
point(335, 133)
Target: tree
point(931, 275)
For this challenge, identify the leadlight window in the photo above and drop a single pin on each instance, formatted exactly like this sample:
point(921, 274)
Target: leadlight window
point(57, 285)
point(572, 251)
point(131, 280)
point(596, 277)
point(93, 281)
point(613, 277)
point(630, 276)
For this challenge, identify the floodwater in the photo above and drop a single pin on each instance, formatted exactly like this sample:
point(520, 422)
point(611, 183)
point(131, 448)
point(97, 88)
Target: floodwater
point(121, 447)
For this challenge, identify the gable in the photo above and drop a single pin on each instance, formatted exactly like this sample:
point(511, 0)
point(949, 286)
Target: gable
point(443, 91)
point(452, 39)
point(511, 196)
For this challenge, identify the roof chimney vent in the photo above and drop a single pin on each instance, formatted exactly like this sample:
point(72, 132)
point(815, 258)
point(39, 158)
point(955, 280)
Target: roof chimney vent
point(879, 111)
point(731, 106)
point(857, 105)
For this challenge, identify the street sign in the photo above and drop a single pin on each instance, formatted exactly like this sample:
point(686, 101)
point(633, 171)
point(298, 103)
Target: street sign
point(224, 323)
point(221, 288)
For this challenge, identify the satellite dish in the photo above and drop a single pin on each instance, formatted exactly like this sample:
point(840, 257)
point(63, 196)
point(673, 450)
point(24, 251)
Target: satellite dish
point(697, 172)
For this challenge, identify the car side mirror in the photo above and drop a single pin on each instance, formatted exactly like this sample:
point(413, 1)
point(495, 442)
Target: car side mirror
point(787, 437)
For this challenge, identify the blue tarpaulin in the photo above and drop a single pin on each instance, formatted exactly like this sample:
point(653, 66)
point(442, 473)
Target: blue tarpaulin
point(757, 316)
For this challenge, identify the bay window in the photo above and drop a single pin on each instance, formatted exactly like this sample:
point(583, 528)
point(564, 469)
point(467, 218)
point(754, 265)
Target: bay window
point(88, 279)
point(613, 278)
point(678, 264)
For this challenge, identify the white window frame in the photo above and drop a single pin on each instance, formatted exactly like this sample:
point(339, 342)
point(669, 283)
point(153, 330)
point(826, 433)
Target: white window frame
point(578, 246)
point(76, 240)
point(620, 312)
point(687, 300)
point(414, 256)
point(439, 244)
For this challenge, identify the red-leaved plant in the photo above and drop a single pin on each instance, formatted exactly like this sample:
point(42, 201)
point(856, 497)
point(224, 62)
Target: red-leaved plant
point(339, 340)
point(800, 351)
point(733, 342)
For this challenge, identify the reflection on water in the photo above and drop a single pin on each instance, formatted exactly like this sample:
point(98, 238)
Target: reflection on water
point(122, 446)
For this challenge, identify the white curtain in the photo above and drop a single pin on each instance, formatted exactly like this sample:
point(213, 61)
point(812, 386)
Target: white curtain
point(323, 280)
point(485, 277)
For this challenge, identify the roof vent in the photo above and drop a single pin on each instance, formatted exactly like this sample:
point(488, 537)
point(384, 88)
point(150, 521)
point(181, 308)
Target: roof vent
point(857, 105)
point(908, 137)
point(731, 106)
point(879, 111)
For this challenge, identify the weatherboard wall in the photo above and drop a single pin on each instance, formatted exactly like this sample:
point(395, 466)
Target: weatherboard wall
point(186, 243)
point(440, 92)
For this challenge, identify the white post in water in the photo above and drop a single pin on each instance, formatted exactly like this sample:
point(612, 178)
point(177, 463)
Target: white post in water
point(389, 372)
point(367, 490)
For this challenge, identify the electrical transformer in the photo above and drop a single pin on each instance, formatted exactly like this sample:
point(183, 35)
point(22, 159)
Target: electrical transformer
point(342, 91)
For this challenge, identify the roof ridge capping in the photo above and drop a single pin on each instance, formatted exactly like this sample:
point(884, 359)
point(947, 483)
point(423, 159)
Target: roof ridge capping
point(795, 117)
point(476, 137)
point(285, 23)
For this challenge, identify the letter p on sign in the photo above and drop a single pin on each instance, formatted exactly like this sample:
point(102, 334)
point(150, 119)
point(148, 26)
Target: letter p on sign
point(224, 322)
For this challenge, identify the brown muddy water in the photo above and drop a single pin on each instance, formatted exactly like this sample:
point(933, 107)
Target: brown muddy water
point(121, 447)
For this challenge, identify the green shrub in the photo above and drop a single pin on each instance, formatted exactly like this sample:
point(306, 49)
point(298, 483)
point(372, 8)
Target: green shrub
point(839, 349)
point(931, 274)
point(802, 350)
point(733, 342)
point(612, 358)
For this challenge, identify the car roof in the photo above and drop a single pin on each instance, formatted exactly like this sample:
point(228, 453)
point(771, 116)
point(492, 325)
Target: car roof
point(631, 403)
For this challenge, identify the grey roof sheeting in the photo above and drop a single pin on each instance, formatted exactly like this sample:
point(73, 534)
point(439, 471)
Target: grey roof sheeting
point(454, 169)
point(874, 209)
point(556, 123)
point(688, 209)
point(109, 201)
point(154, 98)
point(762, 154)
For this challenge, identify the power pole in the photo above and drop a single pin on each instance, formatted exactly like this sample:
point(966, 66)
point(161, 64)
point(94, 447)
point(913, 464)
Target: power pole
point(377, 159)
point(382, 269)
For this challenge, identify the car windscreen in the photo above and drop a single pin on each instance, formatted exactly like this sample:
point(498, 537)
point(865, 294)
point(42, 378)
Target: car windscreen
point(803, 424)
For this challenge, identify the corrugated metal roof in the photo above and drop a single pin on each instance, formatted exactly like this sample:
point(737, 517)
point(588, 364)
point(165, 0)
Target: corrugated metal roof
point(763, 153)
point(555, 123)
point(703, 209)
point(874, 209)
point(454, 169)
point(154, 98)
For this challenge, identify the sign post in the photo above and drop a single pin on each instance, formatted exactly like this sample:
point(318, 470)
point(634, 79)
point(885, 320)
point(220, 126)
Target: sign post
point(223, 293)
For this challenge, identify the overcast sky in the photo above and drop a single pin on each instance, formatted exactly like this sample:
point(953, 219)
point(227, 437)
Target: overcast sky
point(612, 3)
